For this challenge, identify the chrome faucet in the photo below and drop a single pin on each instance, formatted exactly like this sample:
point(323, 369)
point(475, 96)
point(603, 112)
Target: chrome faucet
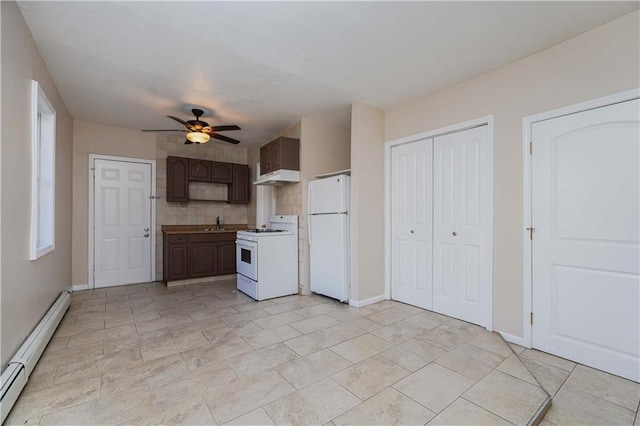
point(218, 222)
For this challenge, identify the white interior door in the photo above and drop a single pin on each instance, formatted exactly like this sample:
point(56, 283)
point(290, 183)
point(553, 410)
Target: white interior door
point(461, 225)
point(411, 223)
point(586, 257)
point(122, 220)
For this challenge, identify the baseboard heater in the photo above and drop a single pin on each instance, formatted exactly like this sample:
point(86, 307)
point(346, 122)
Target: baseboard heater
point(15, 376)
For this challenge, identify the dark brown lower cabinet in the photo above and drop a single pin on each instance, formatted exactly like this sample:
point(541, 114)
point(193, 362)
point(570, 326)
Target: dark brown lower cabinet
point(226, 258)
point(202, 260)
point(175, 262)
point(198, 255)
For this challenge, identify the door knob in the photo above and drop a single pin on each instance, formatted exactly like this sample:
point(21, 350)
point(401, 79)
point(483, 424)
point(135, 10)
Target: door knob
point(455, 233)
point(412, 231)
point(146, 229)
point(146, 235)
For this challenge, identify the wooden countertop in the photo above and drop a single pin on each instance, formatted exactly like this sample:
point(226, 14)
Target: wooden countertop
point(203, 229)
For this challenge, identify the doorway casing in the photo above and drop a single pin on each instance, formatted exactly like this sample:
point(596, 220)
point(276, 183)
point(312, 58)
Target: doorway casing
point(482, 121)
point(91, 261)
point(527, 260)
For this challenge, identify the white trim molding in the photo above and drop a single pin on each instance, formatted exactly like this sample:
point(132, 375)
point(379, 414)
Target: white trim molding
point(43, 173)
point(482, 121)
point(154, 198)
point(79, 287)
point(369, 301)
point(527, 261)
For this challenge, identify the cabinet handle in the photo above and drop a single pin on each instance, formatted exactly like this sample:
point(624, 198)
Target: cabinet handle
point(455, 233)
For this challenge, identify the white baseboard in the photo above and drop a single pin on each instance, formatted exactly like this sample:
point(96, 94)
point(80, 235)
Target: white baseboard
point(79, 287)
point(513, 339)
point(365, 302)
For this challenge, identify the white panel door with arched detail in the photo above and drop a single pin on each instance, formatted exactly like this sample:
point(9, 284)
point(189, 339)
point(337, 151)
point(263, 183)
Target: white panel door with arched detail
point(461, 225)
point(411, 223)
point(122, 222)
point(585, 174)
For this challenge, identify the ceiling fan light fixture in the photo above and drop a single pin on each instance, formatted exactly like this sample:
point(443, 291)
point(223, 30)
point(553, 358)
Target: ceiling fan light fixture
point(198, 137)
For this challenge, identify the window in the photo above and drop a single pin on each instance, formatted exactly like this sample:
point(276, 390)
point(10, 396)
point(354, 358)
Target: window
point(43, 149)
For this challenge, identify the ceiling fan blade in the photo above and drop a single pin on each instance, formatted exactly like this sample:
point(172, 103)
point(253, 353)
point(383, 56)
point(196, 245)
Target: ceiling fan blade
point(179, 120)
point(225, 128)
point(225, 139)
point(165, 130)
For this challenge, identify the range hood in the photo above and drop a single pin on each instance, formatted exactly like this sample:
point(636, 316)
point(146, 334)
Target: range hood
point(278, 178)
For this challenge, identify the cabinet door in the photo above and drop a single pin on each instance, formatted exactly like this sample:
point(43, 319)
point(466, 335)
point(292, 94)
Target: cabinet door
point(202, 259)
point(222, 172)
point(289, 153)
point(177, 182)
point(239, 189)
point(276, 146)
point(265, 159)
point(199, 170)
point(226, 258)
point(175, 260)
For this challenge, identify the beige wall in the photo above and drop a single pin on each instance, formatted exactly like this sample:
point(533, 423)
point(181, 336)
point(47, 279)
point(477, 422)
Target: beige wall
point(594, 64)
point(91, 138)
point(324, 148)
point(194, 212)
point(367, 218)
point(28, 287)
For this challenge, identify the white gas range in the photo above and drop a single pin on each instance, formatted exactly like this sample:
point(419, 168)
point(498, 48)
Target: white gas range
point(267, 259)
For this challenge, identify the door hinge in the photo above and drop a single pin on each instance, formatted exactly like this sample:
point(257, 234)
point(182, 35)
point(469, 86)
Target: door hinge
point(530, 148)
point(531, 318)
point(531, 233)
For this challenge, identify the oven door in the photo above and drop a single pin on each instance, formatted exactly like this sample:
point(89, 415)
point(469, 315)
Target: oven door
point(247, 258)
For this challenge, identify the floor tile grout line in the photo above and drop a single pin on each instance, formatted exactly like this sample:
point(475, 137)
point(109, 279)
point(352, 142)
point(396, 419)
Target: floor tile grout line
point(486, 409)
point(418, 402)
point(526, 368)
point(573, 389)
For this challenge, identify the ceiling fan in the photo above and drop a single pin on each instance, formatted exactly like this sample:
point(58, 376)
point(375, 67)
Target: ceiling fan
point(199, 131)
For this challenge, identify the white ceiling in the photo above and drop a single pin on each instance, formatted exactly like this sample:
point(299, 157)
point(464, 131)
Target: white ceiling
point(264, 65)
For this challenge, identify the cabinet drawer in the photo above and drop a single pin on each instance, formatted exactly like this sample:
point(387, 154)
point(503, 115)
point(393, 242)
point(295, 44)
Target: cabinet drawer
point(175, 239)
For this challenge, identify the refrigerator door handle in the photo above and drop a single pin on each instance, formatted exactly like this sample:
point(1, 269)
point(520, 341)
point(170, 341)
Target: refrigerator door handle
point(309, 228)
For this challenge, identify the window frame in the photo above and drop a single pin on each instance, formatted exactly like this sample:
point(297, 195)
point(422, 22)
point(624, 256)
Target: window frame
point(43, 131)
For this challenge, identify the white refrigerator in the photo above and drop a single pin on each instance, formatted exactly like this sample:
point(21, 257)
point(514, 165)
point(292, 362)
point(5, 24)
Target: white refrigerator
point(328, 228)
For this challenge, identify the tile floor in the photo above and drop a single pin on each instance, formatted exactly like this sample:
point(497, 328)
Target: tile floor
point(207, 354)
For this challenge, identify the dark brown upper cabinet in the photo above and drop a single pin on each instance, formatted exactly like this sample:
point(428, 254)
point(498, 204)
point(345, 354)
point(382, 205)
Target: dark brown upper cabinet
point(199, 170)
point(181, 171)
point(222, 172)
point(239, 190)
point(265, 159)
point(281, 153)
point(177, 179)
